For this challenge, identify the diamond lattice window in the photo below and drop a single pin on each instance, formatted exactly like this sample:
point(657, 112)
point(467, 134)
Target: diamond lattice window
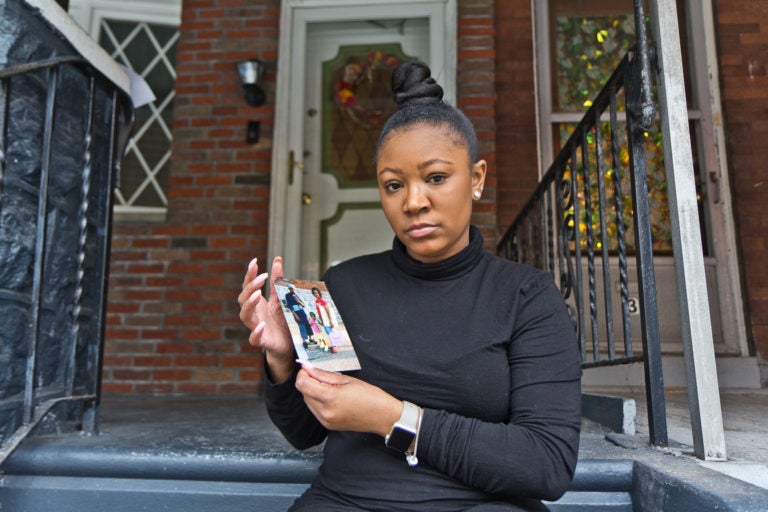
point(150, 50)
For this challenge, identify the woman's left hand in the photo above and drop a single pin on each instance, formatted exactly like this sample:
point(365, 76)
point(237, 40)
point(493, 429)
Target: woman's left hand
point(341, 402)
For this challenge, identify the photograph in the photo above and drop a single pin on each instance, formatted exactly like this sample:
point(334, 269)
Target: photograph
point(317, 329)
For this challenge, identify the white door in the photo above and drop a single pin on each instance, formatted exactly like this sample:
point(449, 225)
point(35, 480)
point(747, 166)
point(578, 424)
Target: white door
point(333, 77)
point(347, 99)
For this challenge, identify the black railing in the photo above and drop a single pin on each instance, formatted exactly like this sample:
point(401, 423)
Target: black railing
point(583, 188)
point(63, 127)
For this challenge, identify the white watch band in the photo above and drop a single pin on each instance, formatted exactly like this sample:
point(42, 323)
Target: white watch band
point(409, 418)
point(403, 436)
point(410, 456)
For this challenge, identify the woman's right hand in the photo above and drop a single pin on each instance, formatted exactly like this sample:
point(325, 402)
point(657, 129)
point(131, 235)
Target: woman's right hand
point(265, 319)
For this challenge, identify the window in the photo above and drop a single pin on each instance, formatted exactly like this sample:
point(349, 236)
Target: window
point(579, 44)
point(560, 101)
point(141, 36)
point(150, 50)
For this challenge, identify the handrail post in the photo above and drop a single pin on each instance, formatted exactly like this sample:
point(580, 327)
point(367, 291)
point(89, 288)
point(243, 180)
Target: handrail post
point(701, 373)
point(639, 119)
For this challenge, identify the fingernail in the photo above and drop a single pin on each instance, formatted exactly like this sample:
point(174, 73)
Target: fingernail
point(252, 263)
point(305, 363)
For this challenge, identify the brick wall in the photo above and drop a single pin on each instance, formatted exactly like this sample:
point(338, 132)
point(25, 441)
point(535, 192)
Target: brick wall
point(476, 96)
point(172, 313)
point(742, 29)
point(517, 164)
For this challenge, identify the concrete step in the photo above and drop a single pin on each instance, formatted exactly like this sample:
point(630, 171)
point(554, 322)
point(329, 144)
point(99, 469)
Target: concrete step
point(222, 453)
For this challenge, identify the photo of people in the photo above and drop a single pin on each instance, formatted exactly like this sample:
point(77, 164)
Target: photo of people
point(317, 329)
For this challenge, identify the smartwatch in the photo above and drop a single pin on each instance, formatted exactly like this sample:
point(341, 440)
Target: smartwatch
point(403, 433)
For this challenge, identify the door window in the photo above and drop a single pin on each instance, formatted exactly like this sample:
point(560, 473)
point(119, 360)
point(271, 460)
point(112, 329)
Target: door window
point(357, 103)
point(586, 41)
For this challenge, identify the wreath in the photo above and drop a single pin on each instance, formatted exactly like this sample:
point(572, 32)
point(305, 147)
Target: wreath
point(355, 73)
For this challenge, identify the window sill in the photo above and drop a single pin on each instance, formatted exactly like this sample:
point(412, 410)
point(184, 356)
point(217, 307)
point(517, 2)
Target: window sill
point(139, 214)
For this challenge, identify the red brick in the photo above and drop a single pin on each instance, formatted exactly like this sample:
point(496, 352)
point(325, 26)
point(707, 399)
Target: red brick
point(122, 307)
point(117, 361)
point(251, 375)
point(158, 334)
point(164, 281)
point(196, 361)
point(122, 374)
point(186, 268)
point(152, 361)
point(170, 230)
point(251, 361)
point(234, 241)
point(154, 388)
point(206, 388)
point(182, 320)
point(145, 243)
point(116, 387)
point(204, 281)
point(175, 348)
point(240, 388)
point(203, 307)
point(145, 268)
point(201, 334)
point(122, 334)
point(208, 230)
point(214, 374)
point(172, 375)
point(183, 295)
point(141, 295)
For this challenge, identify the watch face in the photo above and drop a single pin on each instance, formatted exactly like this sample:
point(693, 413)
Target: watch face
point(400, 439)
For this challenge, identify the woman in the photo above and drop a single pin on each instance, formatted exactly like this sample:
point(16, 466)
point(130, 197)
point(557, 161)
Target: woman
point(469, 393)
point(323, 309)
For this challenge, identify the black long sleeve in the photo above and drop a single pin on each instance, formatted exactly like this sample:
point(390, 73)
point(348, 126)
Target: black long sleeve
point(486, 347)
point(533, 453)
point(289, 413)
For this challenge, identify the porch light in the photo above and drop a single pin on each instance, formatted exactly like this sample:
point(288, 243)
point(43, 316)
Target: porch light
point(251, 72)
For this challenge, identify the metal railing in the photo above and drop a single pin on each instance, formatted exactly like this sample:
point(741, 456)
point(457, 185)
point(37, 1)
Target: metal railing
point(63, 127)
point(585, 182)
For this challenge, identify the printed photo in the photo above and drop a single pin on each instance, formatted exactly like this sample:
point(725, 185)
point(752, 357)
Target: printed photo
point(316, 326)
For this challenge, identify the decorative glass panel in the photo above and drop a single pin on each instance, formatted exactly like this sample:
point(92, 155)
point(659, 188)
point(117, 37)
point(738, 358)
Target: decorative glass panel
point(657, 189)
point(357, 100)
point(590, 41)
point(150, 50)
point(589, 48)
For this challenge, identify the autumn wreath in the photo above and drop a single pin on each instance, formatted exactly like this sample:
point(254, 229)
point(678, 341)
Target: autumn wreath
point(355, 73)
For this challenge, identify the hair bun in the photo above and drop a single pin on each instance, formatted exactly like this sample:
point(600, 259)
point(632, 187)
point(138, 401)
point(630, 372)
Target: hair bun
point(412, 83)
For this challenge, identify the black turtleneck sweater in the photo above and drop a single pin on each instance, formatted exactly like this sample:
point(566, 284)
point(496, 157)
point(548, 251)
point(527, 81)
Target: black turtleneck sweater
point(486, 347)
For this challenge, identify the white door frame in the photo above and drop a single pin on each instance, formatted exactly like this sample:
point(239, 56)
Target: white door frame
point(295, 16)
point(724, 230)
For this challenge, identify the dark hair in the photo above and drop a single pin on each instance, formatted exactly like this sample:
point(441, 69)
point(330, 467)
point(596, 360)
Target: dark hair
point(420, 101)
point(315, 289)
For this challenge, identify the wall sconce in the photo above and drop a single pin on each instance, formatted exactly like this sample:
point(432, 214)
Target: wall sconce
point(251, 72)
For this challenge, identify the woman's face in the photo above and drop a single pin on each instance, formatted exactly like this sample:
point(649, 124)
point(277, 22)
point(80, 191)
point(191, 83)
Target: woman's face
point(426, 185)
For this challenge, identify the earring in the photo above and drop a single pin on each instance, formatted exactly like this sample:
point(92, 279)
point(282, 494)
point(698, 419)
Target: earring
point(477, 194)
